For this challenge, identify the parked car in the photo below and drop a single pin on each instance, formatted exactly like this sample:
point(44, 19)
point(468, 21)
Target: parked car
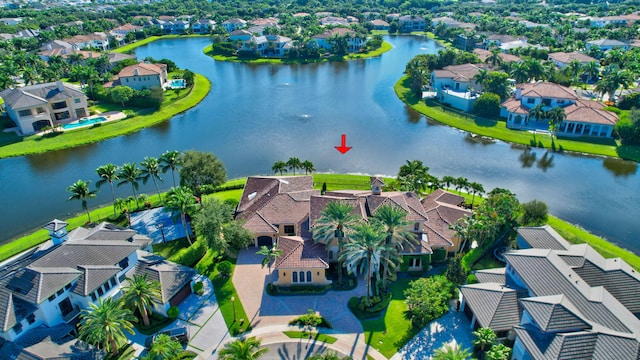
point(179, 334)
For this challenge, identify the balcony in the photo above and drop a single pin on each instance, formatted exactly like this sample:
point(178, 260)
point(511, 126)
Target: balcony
point(72, 315)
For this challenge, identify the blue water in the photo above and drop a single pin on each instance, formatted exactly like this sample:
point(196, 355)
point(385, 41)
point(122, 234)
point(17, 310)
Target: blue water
point(82, 123)
point(177, 83)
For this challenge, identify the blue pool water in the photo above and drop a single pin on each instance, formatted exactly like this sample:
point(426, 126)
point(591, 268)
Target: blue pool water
point(84, 122)
point(177, 83)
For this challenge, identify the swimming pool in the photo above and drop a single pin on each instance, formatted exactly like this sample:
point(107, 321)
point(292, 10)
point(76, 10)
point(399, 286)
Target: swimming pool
point(83, 122)
point(177, 84)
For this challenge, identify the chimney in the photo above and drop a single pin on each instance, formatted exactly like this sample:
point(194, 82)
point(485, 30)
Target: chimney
point(57, 231)
point(376, 185)
point(135, 71)
point(60, 86)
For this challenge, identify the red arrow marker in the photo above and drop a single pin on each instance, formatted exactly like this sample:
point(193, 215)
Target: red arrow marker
point(343, 148)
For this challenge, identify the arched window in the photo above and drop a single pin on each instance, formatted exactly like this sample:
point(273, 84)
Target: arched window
point(308, 276)
point(301, 276)
point(295, 277)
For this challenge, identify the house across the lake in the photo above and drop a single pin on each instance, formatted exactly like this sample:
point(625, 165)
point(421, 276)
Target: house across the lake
point(35, 107)
point(141, 76)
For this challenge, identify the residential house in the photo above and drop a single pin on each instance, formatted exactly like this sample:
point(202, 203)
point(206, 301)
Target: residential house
point(451, 23)
point(35, 107)
point(265, 22)
point(334, 21)
point(176, 26)
point(499, 40)
point(11, 21)
point(483, 55)
point(621, 20)
point(96, 40)
point(268, 46)
point(240, 35)
point(606, 45)
point(284, 209)
point(44, 290)
point(203, 26)
point(354, 41)
point(123, 30)
point(455, 85)
point(142, 76)
point(233, 24)
point(558, 300)
point(379, 24)
point(562, 59)
point(583, 117)
point(409, 23)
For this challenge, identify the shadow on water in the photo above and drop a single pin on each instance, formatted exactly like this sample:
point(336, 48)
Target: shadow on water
point(619, 167)
point(527, 158)
point(545, 162)
point(413, 116)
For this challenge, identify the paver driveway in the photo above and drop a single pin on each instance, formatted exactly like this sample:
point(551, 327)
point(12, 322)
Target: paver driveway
point(264, 310)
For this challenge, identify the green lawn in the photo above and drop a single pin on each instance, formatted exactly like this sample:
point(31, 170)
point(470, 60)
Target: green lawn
point(387, 334)
point(13, 145)
point(316, 336)
point(495, 128)
point(383, 49)
point(225, 290)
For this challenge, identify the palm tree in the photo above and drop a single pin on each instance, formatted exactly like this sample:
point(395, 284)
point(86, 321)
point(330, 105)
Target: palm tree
point(535, 69)
point(393, 221)
point(451, 352)
point(538, 112)
point(494, 59)
point(574, 69)
point(293, 164)
point(520, 73)
point(556, 117)
point(130, 173)
point(461, 183)
point(448, 180)
point(171, 160)
point(181, 199)
point(279, 166)
point(363, 253)
point(163, 348)
point(243, 349)
point(476, 188)
point(335, 222)
point(308, 167)
point(413, 176)
point(484, 338)
point(498, 352)
point(328, 355)
point(151, 169)
point(104, 324)
point(142, 294)
point(80, 191)
point(463, 229)
point(269, 255)
point(481, 76)
point(108, 173)
point(591, 69)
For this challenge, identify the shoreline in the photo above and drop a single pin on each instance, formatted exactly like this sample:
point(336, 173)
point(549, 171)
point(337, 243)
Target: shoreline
point(496, 129)
point(24, 146)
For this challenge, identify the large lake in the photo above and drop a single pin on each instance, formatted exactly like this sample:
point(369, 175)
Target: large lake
point(258, 114)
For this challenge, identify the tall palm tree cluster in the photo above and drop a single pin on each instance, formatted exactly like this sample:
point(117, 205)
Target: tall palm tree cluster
point(128, 174)
point(103, 324)
point(293, 164)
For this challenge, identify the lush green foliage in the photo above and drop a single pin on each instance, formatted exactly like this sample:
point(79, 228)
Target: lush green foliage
point(428, 299)
point(487, 105)
point(484, 338)
point(628, 127)
point(201, 168)
point(534, 213)
point(242, 349)
point(173, 312)
point(103, 325)
point(371, 308)
point(315, 336)
point(498, 352)
point(455, 272)
point(225, 268)
point(311, 319)
point(451, 352)
point(209, 220)
point(141, 294)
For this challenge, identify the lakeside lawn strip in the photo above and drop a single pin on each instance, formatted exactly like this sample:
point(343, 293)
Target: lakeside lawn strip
point(35, 144)
point(352, 56)
point(497, 129)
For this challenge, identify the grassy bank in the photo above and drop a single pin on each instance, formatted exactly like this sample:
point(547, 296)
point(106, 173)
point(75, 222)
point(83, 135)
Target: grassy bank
point(383, 49)
point(497, 129)
point(35, 144)
point(130, 47)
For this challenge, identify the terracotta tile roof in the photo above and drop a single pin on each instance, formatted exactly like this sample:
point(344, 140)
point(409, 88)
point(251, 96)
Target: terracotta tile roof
point(142, 69)
point(442, 210)
point(484, 54)
point(335, 31)
point(319, 203)
point(546, 90)
point(585, 114)
point(569, 57)
point(258, 224)
point(464, 72)
point(300, 253)
point(284, 209)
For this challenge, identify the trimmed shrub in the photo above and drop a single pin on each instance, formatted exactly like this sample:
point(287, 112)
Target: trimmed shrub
point(472, 279)
point(487, 105)
point(173, 312)
point(224, 269)
point(198, 288)
point(191, 256)
point(377, 304)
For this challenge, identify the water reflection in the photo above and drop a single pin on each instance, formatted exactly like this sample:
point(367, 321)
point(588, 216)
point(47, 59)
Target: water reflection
point(413, 116)
point(620, 167)
point(546, 161)
point(527, 158)
point(473, 139)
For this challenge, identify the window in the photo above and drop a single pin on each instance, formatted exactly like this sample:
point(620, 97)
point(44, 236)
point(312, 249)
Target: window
point(81, 112)
point(124, 263)
point(414, 262)
point(100, 291)
point(113, 281)
point(295, 277)
point(40, 110)
point(67, 287)
point(546, 102)
point(93, 296)
point(60, 292)
point(24, 113)
point(531, 100)
point(289, 229)
point(52, 297)
point(17, 328)
point(77, 101)
point(330, 254)
point(107, 286)
point(301, 276)
point(59, 105)
point(416, 226)
point(308, 276)
point(31, 319)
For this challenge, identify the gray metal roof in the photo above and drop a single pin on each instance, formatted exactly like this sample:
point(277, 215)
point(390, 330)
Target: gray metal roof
point(554, 314)
point(55, 225)
point(495, 306)
point(543, 237)
point(93, 276)
point(172, 276)
point(33, 95)
point(491, 275)
point(546, 274)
